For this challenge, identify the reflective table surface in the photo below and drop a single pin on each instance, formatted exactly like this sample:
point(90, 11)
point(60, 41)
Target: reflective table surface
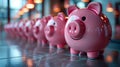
point(19, 53)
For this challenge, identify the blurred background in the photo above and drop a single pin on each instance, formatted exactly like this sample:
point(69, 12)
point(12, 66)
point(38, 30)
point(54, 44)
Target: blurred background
point(12, 11)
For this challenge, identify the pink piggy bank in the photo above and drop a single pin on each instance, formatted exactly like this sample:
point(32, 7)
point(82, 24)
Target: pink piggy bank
point(12, 32)
point(21, 29)
point(87, 30)
point(54, 31)
point(38, 30)
point(28, 30)
point(15, 29)
point(7, 29)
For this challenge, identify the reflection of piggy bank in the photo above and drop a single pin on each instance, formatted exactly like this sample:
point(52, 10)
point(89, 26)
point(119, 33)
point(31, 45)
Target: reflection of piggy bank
point(54, 31)
point(87, 30)
point(38, 30)
point(28, 30)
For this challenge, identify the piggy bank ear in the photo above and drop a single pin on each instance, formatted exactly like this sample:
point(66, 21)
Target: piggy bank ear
point(96, 7)
point(46, 19)
point(49, 17)
point(71, 8)
point(37, 19)
point(61, 16)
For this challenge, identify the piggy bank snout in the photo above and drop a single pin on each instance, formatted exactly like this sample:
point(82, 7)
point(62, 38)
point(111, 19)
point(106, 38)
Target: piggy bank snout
point(36, 29)
point(20, 29)
point(49, 30)
point(76, 29)
point(26, 29)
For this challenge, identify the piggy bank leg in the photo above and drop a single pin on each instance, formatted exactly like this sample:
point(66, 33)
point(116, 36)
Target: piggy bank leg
point(82, 54)
point(25, 38)
point(44, 43)
point(93, 55)
point(39, 43)
point(74, 54)
point(60, 48)
point(30, 39)
point(51, 48)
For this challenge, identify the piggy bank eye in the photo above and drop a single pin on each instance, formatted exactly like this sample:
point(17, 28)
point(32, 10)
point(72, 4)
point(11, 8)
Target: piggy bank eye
point(53, 23)
point(83, 18)
point(28, 23)
point(37, 23)
point(20, 24)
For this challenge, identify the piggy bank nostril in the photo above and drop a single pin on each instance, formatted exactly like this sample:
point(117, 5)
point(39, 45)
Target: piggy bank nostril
point(74, 28)
point(20, 29)
point(49, 30)
point(27, 29)
point(69, 28)
point(36, 30)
